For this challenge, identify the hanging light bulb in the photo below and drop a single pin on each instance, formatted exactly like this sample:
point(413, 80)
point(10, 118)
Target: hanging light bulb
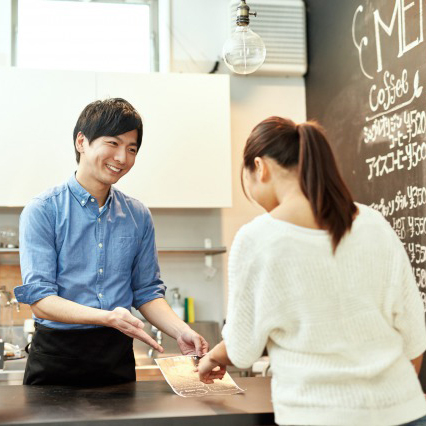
point(244, 52)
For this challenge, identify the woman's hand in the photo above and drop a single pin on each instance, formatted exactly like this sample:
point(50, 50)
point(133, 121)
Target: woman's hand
point(191, 343)
point(209, 370)
point(124, 321)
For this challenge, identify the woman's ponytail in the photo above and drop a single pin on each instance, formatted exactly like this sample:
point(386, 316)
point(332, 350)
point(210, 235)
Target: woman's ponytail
point(321, 182)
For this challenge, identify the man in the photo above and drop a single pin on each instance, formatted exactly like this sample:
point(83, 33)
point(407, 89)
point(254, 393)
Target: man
point(87, 254)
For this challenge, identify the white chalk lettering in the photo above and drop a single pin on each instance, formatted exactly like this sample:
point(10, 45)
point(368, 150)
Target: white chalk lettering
point(416, 252)
point(412, 198)
point(399, 227)
point(361, 44)
point(399, 14)
point(391, 92)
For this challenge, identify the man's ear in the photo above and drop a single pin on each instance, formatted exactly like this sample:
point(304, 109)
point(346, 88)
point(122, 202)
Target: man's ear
point(79, 140)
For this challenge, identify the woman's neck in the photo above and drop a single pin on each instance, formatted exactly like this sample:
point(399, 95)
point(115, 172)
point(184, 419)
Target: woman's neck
point(294, 207)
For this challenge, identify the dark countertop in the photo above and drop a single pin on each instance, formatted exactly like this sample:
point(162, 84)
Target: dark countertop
point(139, 403)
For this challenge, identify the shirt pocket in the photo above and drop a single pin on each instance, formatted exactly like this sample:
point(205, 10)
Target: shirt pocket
point(124, 250)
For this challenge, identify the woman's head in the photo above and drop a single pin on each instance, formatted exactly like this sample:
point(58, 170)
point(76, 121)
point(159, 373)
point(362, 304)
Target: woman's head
point(304, 150)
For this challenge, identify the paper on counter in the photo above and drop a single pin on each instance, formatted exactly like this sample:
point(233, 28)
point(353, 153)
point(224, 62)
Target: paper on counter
point(180, 375)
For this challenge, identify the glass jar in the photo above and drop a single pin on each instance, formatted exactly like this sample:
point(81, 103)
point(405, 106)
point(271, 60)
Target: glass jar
point(9, 236)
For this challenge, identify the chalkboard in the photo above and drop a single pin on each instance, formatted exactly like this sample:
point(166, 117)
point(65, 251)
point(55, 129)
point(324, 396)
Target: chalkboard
point(366, 85)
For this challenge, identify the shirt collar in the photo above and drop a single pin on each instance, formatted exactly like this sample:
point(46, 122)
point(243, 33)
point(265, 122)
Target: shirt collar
point(109, 198)
point(82, 195)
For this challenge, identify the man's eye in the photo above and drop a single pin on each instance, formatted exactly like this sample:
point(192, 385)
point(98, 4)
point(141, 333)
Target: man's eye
point(112, 143)
point(133, 151)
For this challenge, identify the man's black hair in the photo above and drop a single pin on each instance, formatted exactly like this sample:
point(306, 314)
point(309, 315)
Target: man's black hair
point(111, 117)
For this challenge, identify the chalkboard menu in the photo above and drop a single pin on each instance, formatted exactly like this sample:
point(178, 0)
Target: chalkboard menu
point(367, 86)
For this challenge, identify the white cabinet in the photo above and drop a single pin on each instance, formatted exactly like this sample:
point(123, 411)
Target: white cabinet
point(38, 112)
point(185, 159)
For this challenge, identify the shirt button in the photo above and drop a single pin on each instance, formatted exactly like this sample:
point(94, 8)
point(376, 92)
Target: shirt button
point(100, 295)
point(92, 200)
point(99, 219)
point(100, 245)
point(82, 202)
point(101, 270)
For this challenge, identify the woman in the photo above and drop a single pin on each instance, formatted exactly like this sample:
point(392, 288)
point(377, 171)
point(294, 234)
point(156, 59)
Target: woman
point(326, 285)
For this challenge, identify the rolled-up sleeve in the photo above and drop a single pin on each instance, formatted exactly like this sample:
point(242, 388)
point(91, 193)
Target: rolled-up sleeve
point(37, 253)
point(146, 282)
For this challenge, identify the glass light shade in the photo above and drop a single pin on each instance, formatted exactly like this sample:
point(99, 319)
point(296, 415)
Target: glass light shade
point(244, 52)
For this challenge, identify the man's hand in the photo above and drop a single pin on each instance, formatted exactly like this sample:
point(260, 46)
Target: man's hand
point(161, 315)
point(191, 343)
point(209, 370)
point(124, 321)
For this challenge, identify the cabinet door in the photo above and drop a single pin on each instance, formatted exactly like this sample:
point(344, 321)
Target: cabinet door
point(185, 158)
point(39, 110)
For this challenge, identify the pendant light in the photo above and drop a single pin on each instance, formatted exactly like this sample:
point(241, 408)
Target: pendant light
point(244, 52)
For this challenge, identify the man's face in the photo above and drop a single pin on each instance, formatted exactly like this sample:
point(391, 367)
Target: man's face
point(108, 158)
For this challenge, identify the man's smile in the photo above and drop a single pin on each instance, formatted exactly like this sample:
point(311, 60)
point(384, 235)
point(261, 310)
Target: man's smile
point(113, 168)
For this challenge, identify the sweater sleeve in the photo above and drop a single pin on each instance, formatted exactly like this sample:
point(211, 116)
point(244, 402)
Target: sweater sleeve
point(409, 312)
point(245, 332)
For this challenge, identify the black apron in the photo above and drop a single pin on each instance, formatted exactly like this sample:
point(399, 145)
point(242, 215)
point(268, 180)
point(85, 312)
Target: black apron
point(80, 357)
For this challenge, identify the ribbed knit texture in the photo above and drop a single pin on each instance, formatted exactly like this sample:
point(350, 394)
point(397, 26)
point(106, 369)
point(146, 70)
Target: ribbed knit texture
point(340, 328)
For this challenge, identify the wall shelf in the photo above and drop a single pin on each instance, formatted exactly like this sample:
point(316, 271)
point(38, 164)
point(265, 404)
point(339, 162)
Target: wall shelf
point(9, 250)
point(201, 250)
point(10, 256)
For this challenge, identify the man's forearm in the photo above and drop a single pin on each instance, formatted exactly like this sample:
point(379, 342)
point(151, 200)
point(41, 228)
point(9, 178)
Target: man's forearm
point(55, 308)
point(161, 315)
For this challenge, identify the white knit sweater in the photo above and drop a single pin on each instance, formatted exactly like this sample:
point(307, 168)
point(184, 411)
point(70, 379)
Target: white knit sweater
point(340, 329)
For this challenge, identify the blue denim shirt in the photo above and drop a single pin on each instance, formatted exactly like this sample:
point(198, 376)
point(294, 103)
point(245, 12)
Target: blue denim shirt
point(102, 259)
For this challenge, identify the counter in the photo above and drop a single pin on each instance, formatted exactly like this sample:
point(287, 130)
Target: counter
point(146, 369)
point(139, 403)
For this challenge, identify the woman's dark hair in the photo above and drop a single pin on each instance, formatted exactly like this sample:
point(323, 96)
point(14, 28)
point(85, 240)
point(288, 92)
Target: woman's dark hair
point(305, 146)
point(111, 117)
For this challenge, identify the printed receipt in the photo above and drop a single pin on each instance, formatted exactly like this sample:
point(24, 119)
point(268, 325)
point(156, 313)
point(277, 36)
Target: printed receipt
point(180, 375)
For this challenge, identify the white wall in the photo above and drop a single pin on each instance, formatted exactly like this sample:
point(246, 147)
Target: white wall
point(189, 228)
point(252, 100)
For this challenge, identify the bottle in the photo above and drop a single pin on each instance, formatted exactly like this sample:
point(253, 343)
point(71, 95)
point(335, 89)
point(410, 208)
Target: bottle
point(29, 329)
point(191, 313)
point(177, 305)
point(1, 355)
point(186, 309)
